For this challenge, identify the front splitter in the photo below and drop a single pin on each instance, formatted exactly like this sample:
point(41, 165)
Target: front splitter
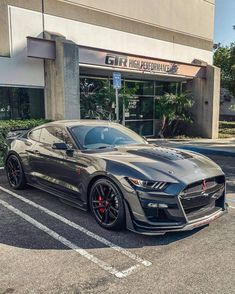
point(188, 227)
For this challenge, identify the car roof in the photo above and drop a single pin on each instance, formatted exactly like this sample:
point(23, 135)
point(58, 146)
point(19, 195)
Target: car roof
point(72, 123)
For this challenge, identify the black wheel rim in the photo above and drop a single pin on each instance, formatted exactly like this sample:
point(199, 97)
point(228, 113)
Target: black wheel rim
point(14, 171)
point(105, 203)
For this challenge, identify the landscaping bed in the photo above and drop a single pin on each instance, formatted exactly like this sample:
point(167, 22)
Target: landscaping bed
point(226, 129)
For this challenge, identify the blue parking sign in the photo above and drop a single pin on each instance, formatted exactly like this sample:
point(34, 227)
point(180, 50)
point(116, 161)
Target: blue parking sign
point(117, 80)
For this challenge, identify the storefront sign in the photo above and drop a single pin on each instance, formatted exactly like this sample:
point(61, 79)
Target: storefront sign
point(140, 64)
point(130, 62)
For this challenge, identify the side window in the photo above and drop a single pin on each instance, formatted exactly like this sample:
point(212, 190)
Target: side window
point(63, 136)
point(52, 135)
point(35, 135)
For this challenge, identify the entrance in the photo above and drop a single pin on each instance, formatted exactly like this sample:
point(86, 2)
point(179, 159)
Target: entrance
point(97, 101)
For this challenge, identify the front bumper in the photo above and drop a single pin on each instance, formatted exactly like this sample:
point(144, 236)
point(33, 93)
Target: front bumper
point(176, 213)
point(159, 230)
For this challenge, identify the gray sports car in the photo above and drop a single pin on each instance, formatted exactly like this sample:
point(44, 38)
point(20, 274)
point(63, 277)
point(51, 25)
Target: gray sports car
point(124, 181)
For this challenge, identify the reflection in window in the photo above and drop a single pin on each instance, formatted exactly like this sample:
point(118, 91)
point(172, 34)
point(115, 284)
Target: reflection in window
point(142, 87)
point(96, 99)
point(93, 137)
point(35, 135)
point(51, 135)
point(162, 88)
point(21, 103)
point(143, 128)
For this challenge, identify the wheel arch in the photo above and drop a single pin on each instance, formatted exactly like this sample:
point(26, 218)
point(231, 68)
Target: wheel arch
point(12, 152)
point(115, 181)
point(96, 177)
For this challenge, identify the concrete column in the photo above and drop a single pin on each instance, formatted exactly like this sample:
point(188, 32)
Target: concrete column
point(206, 94)
point(62, 89)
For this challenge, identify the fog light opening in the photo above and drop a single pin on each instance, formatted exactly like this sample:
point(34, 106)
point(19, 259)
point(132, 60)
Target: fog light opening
point(157, 205)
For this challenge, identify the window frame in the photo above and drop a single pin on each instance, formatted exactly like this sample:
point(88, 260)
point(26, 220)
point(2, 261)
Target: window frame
point(65, 129)
point(33, 130)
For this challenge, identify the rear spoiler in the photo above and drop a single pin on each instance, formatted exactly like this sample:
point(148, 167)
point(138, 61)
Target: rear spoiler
point(14, 134)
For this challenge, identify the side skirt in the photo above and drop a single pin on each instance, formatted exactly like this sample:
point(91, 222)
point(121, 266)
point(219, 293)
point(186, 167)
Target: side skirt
point(63, 197)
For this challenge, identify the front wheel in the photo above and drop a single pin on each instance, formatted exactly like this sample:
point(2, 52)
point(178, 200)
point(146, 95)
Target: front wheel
point(106, 202)
point(15, 173)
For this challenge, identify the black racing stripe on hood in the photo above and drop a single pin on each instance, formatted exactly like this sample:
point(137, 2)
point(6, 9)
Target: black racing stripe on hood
point(158, 153)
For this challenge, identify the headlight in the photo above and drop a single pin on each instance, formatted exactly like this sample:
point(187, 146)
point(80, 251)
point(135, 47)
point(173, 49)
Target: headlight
point(156, 185)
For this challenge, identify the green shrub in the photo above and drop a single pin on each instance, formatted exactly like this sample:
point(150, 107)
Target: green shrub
point(226, 129)
point(10, 125)
point(227, 124)
point(174, 113)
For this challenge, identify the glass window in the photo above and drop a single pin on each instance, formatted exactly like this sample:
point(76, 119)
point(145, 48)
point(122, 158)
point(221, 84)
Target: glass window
point(96, 99)
point(143, 128)
point(51, 135)
point(35, 135)
point(97, 137)
point(139, 108)
point(162, 88)
point(141, 87)
point(21, 103)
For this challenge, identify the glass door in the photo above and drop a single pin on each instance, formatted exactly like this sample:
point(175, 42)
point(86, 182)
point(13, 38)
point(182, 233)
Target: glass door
point(139, 110)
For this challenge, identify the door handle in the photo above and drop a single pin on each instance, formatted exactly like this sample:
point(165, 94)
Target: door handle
point(28, 143)
point(36, 152)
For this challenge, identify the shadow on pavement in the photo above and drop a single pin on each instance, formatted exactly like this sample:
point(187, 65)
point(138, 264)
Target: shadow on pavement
point(15, 231)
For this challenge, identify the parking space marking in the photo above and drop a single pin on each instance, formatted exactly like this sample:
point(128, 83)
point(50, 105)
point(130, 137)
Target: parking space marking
point(80, 228)
point(69, 244)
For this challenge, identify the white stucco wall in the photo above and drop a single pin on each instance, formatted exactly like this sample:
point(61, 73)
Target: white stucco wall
point(19, 69)
point(24, 71)
point(193, 17)
point(105, 38)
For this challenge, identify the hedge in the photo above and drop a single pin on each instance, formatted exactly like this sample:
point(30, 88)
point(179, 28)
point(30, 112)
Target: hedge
point(227, 129)
point(10, 125)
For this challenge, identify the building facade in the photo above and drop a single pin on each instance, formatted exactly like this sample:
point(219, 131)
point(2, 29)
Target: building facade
point(57, 57)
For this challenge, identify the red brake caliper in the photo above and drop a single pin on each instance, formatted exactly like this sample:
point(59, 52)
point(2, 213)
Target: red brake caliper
point(101, 199)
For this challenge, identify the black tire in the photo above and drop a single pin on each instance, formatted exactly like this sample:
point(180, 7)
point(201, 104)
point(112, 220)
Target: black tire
point(15, 174)
point(106, 203)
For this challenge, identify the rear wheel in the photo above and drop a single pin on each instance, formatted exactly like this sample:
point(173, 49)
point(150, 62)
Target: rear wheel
point(106, 202)
point(15, 173)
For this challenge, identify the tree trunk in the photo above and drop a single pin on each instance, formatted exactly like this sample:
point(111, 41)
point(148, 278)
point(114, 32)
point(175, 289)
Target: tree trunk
point(162, 127)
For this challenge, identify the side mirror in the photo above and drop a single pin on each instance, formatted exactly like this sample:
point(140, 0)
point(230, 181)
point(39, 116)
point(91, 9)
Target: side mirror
point(59, 146)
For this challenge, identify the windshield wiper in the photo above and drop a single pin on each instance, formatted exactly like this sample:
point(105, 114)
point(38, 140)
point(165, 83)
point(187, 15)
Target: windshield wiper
point(103, 147)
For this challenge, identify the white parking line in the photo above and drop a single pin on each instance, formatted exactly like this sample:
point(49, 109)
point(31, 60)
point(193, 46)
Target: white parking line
point(79, 228)
point(82, 252)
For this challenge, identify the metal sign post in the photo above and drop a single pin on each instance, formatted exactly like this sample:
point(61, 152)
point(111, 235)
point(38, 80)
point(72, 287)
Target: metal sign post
point(117, 85)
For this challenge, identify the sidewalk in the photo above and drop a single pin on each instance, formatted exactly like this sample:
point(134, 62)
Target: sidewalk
point(223, 147)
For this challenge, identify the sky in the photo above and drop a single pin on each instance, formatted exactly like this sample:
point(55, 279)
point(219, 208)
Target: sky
point(224, 22)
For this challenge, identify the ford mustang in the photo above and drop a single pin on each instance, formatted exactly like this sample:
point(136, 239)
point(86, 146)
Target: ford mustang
point(116, 174)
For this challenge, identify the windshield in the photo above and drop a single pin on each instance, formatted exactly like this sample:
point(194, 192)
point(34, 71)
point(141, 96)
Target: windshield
point(98, 137)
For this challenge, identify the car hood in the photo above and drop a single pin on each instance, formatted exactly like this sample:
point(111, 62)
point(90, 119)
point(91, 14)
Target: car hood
point(163, 164)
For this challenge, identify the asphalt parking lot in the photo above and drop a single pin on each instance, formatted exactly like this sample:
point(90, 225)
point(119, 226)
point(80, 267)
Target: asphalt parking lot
point(49, 247)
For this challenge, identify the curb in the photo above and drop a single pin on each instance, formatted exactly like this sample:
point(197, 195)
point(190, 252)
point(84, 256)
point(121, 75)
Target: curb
point(208, 151)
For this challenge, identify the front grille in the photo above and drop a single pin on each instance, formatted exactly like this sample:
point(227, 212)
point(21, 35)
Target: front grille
point(202, 197)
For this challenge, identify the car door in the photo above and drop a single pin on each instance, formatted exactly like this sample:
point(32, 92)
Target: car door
point(49, 166)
